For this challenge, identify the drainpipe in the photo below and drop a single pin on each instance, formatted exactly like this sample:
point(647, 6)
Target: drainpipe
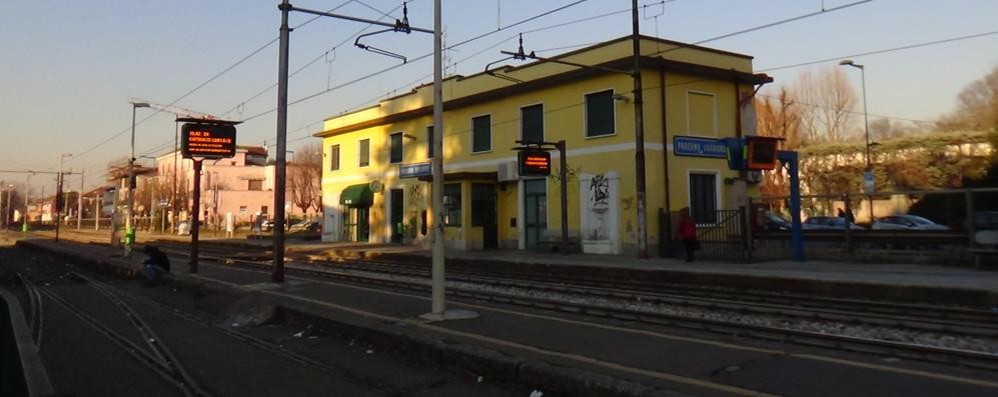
point(667, 229)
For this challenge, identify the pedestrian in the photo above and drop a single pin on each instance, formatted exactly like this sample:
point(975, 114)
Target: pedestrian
point(687, 232)
point(156, 264)
point(849, 216)
point(841, 213)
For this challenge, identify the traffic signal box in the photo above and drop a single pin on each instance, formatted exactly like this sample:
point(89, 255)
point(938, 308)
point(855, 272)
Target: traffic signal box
point(752, 153)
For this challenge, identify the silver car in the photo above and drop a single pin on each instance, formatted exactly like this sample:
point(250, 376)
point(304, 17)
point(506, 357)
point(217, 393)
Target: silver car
point(828, 223)
point(906, 222)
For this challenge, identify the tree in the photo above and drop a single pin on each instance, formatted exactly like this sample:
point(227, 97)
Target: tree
point(778, 117)
point(304, 177)
point(977, 106)
point(830, 100)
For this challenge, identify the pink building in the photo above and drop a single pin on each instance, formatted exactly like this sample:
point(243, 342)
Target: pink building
point(242, 185)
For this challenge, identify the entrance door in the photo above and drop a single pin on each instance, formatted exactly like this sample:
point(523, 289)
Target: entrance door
point(535, 210)
point(356, 226)
point(396, 216)
point(483, 213)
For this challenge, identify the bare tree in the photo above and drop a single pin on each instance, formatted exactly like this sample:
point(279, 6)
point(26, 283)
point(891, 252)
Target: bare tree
point(829, 101)
point(779, 117)
point(304, 174)
point(977, 106)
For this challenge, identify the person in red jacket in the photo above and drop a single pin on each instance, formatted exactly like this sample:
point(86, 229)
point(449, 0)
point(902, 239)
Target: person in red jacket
point(687, 232)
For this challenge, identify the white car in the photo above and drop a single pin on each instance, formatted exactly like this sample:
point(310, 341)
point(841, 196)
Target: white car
point(906, 222)
point(828, 223)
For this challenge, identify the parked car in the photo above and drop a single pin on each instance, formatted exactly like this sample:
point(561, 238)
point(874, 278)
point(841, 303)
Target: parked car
point(828, 223)
point(306, 226)
point(986, 228)
point(906, 222)
point(775, 223)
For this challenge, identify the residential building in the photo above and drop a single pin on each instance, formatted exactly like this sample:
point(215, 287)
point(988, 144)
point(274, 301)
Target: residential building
point(376, 184)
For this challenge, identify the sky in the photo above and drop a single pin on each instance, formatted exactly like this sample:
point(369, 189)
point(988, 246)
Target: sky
point(69, 68)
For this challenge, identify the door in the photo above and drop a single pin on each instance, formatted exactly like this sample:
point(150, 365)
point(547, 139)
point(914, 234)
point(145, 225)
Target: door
point(483, 213)
point(535, 210)
point(396, 216)
point(363, 223)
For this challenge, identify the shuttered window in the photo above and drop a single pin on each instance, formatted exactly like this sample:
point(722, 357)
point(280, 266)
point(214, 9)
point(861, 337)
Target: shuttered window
point(532, 123)
point(481, 133)
point(600, 114)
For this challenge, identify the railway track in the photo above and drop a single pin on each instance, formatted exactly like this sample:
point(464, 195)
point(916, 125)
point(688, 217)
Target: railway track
point(617, 301)
point(155, 355)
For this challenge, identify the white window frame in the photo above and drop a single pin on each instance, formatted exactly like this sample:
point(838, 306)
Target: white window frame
point(585, 114)
point(717, 189)
point(714, 109)
point(471, 122)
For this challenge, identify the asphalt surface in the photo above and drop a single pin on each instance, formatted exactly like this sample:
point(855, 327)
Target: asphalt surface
point(582, 348)
point(83, 362)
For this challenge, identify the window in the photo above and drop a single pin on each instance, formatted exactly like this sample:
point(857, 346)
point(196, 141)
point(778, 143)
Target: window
point(429, 142)
point(395, 156)
point(599, 114)
point(700, 114)
point(255, 185)
point(334, 157)
point(703, 197)
point(365, 153)
point(452, 204)
point(481, 134)
point(532, 123)
point(263, 209)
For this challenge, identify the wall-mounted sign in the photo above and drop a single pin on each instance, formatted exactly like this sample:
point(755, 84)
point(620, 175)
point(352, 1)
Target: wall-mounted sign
point(534, 162)
point(699, 147)
point(207, 141)
point(415, 170)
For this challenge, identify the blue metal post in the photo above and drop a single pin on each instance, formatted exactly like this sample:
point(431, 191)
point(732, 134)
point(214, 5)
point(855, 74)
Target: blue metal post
point(796, 233)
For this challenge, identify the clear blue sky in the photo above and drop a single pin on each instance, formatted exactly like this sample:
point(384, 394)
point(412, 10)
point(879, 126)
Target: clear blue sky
point(68, 68)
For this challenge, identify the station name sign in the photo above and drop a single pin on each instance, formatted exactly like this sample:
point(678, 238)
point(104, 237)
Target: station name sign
point(699, 147)
point(207, 140)
point(534, 162)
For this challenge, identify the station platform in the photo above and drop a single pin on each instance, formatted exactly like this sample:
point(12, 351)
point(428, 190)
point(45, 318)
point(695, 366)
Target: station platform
point(576, 356)
point(898, 282)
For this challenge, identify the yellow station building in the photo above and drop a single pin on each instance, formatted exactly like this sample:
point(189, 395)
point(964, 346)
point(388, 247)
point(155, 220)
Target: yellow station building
point(376, 174)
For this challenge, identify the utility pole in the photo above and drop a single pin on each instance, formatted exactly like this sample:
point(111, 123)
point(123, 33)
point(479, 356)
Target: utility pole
point(27, 195)
point(280, 171)
point(438, 304)
point(79, 204)
point(639, 137)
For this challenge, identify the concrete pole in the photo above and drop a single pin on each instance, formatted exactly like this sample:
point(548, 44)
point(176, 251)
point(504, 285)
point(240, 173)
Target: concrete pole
point(280, 171)
point(131, 186)
point(97, 202)
point(27, 196)
point(79, 204)
point(438, 304)
point(639, 137)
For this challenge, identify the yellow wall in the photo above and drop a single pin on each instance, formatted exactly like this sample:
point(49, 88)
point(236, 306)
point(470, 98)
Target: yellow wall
point(564, 115)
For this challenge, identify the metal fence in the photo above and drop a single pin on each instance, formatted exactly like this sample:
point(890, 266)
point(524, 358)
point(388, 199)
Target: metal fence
point(939, 226)
point(725, 238)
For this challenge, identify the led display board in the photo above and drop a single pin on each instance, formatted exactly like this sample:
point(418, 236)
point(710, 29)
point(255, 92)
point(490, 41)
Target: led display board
point(211, 141)
point(761, 153)
point(534, 162)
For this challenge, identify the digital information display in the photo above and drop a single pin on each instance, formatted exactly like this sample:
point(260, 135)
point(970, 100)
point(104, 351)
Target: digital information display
point(761, 153)
point(207, 141)
point(534, 163)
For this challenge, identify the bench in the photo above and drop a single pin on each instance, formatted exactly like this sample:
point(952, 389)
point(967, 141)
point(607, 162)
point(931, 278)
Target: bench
point(551, 242)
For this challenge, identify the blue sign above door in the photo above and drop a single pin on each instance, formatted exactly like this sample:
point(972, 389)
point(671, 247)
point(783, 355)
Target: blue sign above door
point(415, 170)
point(699, 147)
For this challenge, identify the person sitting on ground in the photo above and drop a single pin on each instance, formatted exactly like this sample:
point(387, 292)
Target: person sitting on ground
point(156, 264)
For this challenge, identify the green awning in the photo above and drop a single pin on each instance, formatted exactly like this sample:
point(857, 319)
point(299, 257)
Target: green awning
point(357, 195)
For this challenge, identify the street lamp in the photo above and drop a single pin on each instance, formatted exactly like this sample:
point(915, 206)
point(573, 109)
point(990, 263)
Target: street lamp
point(129, 232)
point(868, 175)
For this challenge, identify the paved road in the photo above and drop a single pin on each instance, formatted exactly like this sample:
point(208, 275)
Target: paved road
point(82, 361)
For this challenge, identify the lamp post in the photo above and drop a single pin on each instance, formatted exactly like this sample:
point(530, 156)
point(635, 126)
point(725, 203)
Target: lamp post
point(129, 232)
point(27, 195)
point(6, 214)
point(59, 199)
point(868, 175)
